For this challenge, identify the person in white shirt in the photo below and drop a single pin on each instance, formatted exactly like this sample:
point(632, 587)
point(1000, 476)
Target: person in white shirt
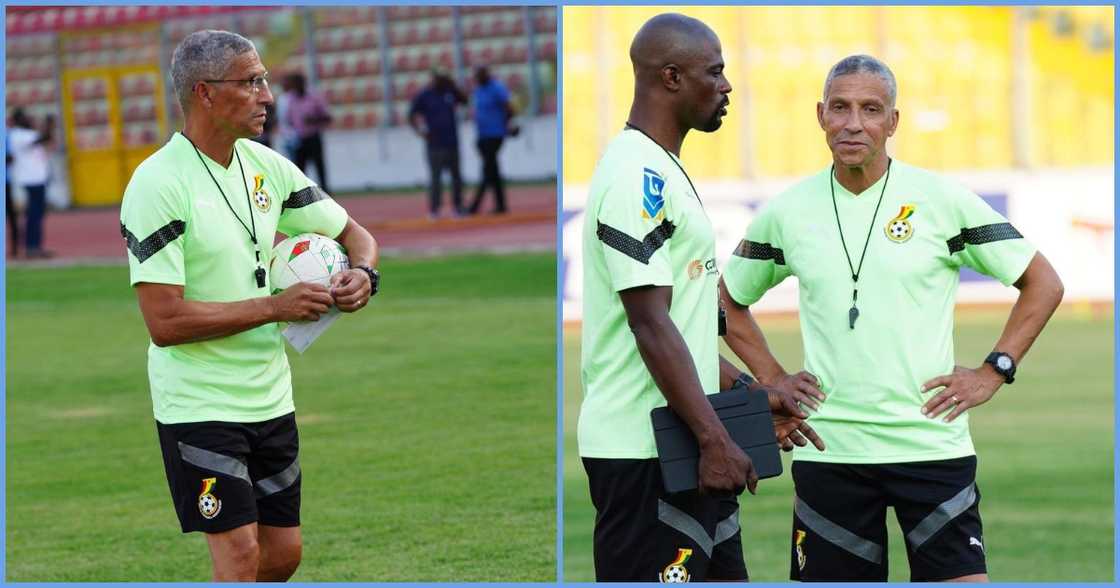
point(31, 170)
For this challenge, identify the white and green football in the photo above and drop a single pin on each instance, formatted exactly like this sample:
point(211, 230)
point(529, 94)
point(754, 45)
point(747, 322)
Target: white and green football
point(305, 258)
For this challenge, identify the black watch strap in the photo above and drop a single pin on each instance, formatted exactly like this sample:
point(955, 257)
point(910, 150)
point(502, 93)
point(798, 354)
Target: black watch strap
point(374, 278)
point(1003, 364)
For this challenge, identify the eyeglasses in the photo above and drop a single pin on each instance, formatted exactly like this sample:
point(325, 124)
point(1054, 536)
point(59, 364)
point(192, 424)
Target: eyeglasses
point(256, 83)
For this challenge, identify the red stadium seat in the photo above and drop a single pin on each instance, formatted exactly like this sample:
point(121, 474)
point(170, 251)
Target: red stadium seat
point(369, 118)
point(348, 92)
point(369, 63)
point(445, 59)
point(348, 119)
point(412, 88)
point(474, 29)
point(402, 59)
point(368, 38)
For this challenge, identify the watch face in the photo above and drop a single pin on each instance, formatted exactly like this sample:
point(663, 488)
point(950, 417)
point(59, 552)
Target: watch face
point(1003, 362)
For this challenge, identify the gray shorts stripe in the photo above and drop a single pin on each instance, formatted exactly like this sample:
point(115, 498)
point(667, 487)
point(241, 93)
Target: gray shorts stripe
point(215, 462)
point(837, 535)
point(277, 482)
point(683, 522)
point(945, 512)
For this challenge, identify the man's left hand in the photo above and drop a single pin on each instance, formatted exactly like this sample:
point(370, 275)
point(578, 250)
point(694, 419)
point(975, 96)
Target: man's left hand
point(350, 289)
point(963, 389)
point(793, 431)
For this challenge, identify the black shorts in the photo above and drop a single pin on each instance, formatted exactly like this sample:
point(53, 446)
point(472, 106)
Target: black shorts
point(643, 534)
point(224, 475)
point(839, 521)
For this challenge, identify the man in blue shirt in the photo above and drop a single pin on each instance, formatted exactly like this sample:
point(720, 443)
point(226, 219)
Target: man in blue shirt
point(432, 115)
point(492, 113)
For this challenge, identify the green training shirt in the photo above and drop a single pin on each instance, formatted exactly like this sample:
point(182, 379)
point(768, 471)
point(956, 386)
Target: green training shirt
point(644, 226)
point(926, 229)
point(179, 230)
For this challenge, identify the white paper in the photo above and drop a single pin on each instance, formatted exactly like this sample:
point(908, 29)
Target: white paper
point(301, 335)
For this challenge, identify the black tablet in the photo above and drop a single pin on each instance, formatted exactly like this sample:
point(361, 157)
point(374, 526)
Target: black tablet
point(745, 414)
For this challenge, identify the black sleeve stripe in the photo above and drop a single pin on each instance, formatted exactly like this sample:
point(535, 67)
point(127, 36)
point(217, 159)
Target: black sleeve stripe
point(763, 251)
point(982, 234)
point(642, 250)
point(154, 242)
point(304, 197)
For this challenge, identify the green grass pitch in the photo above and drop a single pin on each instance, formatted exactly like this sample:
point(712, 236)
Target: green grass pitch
point(1045, 447)
point(427, 426)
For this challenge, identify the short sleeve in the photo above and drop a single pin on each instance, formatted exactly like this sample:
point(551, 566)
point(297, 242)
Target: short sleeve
point(154, 219)
point(758, 262)
point(987, 242)
point(633, 227)
point(306, 207)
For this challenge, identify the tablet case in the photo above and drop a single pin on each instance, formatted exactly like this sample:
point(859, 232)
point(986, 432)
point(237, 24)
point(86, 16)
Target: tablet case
point(745, 414)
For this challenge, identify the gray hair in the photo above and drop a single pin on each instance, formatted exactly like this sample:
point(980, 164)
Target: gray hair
point(204, 55)
point(855, 64)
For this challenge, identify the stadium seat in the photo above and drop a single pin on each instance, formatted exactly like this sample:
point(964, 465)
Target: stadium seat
point(347, 120)
point(369, 63)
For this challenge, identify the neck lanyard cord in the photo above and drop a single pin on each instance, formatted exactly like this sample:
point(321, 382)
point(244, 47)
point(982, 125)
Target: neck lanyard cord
point(835, 209)
point(252, 232)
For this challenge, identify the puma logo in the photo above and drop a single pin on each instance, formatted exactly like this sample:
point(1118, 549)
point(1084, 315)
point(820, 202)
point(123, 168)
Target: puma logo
point(974, 541)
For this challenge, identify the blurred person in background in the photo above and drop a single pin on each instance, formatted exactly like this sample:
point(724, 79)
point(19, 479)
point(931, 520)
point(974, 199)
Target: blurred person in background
point(9, 205)
point(268, 137)
point(307, 114)
point(31, 171)
point(432, 116)
point(492, 115)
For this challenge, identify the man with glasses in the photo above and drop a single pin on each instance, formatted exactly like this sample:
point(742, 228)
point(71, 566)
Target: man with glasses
point(198, 218)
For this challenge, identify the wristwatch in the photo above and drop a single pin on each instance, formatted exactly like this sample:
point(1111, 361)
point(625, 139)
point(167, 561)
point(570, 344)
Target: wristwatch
point(374, 278)
point(1003, 364)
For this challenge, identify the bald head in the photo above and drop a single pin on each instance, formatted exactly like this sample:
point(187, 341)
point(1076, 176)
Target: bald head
point(678, 73)
point(669, 38)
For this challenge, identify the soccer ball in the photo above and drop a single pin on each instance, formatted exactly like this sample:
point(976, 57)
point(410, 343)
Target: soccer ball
point(305, 258)
point(899, 230)
point(674, 575)
point(209, 505)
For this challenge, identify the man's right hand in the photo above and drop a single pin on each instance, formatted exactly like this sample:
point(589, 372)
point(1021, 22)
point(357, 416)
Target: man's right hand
point(725, 468)
point(304, 301)
point(802, 387)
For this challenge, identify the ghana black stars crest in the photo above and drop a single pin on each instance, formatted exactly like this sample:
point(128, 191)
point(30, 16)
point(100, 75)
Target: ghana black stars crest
point(260, 195)
point(899, 228)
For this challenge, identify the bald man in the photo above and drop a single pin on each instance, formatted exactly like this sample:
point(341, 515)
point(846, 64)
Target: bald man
point(650, 331)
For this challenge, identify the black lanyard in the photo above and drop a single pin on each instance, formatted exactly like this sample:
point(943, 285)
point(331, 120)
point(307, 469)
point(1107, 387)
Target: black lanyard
point(630, 125)
point(853, 312)
point(258, 273)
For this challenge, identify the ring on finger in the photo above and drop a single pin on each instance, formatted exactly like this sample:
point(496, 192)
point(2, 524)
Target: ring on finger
point(956, 400)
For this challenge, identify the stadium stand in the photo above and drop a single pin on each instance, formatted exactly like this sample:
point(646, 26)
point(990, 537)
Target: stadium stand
point(97, 68)
point(981, 87)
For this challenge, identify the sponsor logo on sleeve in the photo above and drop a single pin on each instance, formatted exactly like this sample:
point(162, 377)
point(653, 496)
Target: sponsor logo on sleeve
point(653, 199)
